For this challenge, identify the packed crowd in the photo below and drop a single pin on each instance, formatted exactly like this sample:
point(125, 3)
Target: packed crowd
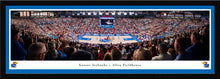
point(142, 28)
point(187, 39)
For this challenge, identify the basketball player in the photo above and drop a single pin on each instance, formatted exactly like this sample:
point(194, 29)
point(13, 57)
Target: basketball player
point(107, 37)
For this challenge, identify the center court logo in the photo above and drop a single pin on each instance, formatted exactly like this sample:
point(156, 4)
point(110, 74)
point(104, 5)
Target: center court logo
point(14, 64)
point(206, 65)
point(106, 40)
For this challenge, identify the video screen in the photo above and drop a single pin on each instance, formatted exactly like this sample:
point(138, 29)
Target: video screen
point(107, 21)
point(72, 41)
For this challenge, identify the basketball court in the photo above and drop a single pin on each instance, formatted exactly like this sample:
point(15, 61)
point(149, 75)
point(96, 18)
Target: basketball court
point(104, 40)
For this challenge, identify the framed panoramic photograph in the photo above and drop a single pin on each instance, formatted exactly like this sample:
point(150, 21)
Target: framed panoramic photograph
point(111, 39)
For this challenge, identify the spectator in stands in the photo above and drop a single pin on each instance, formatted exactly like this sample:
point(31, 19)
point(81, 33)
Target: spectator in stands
point(128, 56)
point(84, 48)
point(52, 53)
point(196, 50)
point(172, 53)
point(95, 51)
point(180, 47)
point(124, 52)
point(162, 48)
point(28, 42)
point(47, 42)
point(116, 54)
point(105, 50)
point(100, 53)
point(82, 55)
point(205, 42)
point(58, 44)
point(153, 51)
point(17, 51)
point(36, 51)
point(142, 54)
point(21, 42)
point(67, 52)
point(108, 56)
point(170, 45)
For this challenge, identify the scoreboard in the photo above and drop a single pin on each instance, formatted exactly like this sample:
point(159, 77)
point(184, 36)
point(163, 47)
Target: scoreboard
point(107, 21)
